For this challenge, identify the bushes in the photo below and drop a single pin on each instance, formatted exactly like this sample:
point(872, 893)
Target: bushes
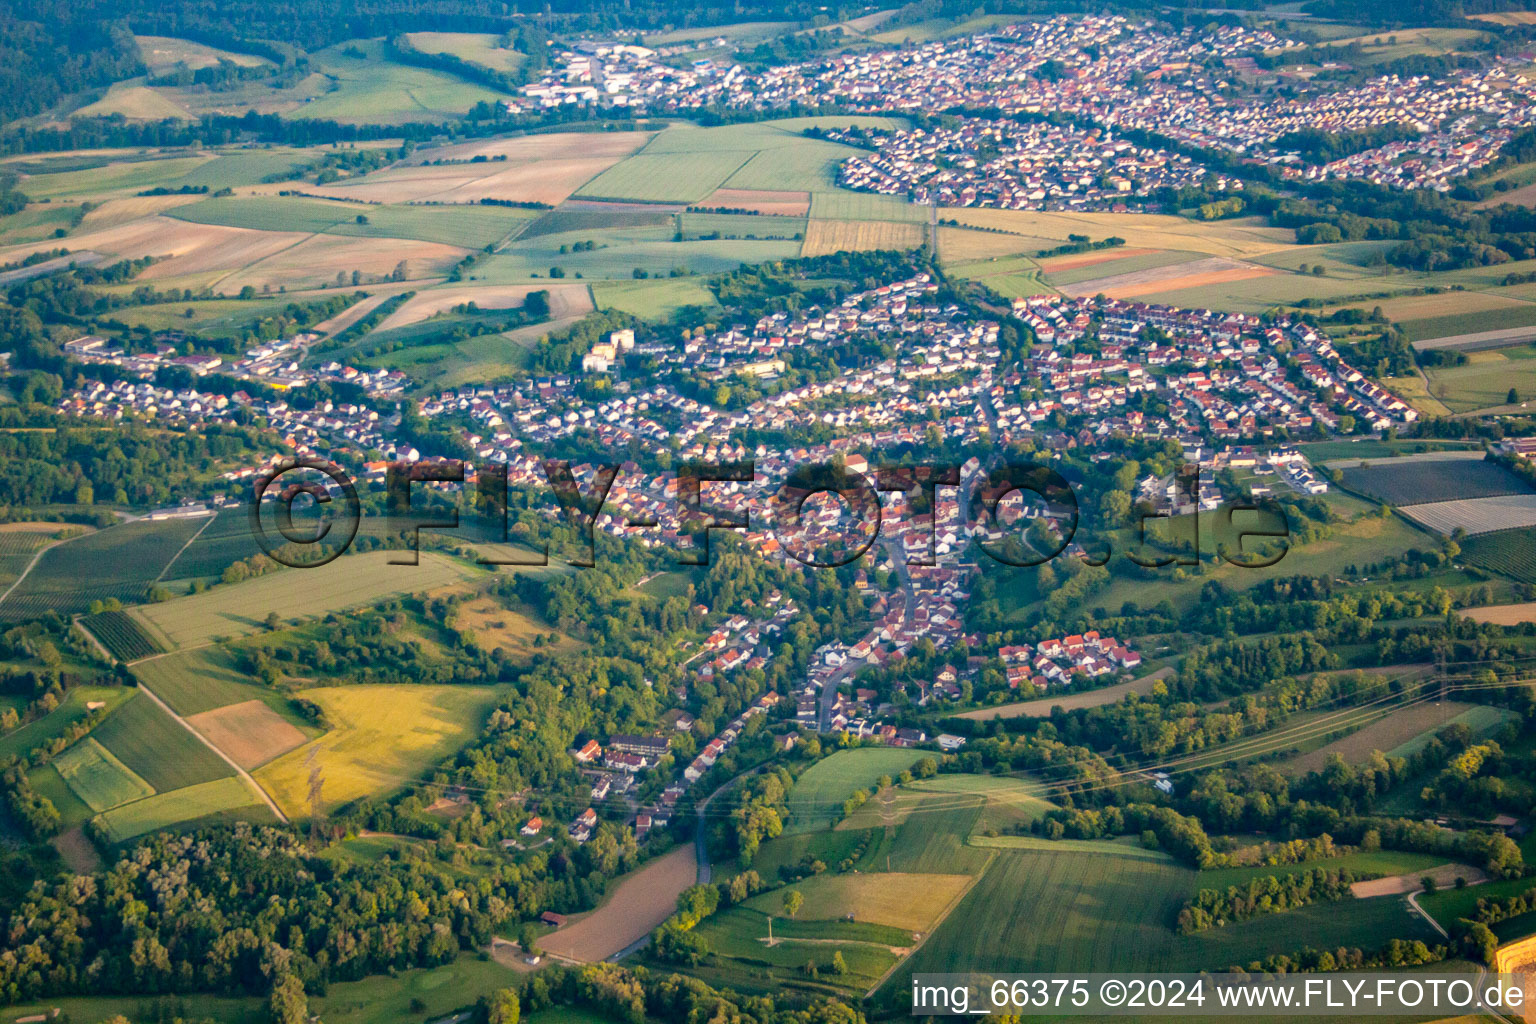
point(1269, 894)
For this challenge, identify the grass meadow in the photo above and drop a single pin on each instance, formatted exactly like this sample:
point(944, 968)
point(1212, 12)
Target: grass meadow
point(818, 795)
point(219, 799)
point(240, 609)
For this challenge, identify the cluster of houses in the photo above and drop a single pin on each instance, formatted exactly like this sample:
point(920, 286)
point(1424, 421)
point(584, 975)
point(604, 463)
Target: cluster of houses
point(1199, 86)
point(1003, 164)
point(1056, 661)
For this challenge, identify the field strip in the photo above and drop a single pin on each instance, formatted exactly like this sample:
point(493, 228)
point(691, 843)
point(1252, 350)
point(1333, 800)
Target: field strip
point(240, 270)
point(35, 558)
point(937, 924)
point(245, 775)
point(184, 547)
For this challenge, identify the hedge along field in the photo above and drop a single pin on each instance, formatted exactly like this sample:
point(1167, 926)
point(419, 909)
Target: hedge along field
point(157, 748)
point(241, 609)
point(99, 778)
point(220, 799)
point(817, 797)
point(119, 562)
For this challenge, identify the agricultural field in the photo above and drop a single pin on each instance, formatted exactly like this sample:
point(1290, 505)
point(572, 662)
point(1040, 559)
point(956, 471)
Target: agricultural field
point(1387, 734)
point(165, 54)
point(356, 83)
point(1041, 707)
point(652, 300)
point(240, 609)
point(467, 226)
point(1511, 552)
point(200, 680)
point(619, 252)
point(99, 778)
point(537, 168)
point(1114, 911)
point(769, 202)
point(905, 901)
point(1484, 381)
point(638, 903)
point(1429, 479)
point(476, 47)
point(1476, 515)
point(828, 204)
point(1240, 238)
point(828, 236)
point(1013, 277)
point(221, 799)
point(57, 722)
point(381, 738)
point(665, 177)
point(19, 544)
point(249, 733)
point(119, 562)
point(157, 748)
point(121, 634)
point(818, 795)
point(1165, 278)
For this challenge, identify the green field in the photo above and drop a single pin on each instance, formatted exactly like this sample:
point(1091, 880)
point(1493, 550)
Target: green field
point(1116, 913)
point(49, 783)
point(620, 251)
point(737, 938)
point(240, 609)
point(34, 223)
point(649, 177)
point(99, 778)
point(157, 748)
point(120, 562)
point(371, 88)
point(201, 680)
point(123, 178)
point(215, 800)
point(652, 300)
point(839, 205)
point(685, 164)
point(817, 797)
point(475, 47)
point(54, 724)
point(1484, 381)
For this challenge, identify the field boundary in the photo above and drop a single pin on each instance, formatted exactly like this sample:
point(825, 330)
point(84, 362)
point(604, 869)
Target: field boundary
point(241, 772)
point(937, 924)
